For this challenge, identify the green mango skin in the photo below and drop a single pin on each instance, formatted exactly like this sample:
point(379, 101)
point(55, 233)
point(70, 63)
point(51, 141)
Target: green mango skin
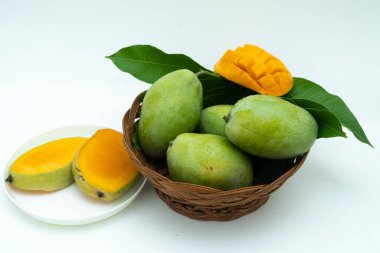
point(49, 181)
point(209, 160)
point(271, 127)
point(212, 119)
point(171, 106)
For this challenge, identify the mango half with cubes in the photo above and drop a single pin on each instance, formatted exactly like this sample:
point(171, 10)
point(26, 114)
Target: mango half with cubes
point(271, 127)
point(46, 167)
point(212, 119)
point(256, 69)
point(209, 160)
point(102, 167)
point(171, 106)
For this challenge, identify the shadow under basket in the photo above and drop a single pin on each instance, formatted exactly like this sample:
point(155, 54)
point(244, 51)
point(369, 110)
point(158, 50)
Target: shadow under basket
point(201, 202)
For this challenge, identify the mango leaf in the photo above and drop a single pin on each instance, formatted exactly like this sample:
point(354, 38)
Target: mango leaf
point(308, 90)
point(328, 125)
point(148, 64)
point(218, 90)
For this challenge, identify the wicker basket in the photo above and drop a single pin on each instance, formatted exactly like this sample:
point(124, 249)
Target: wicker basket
point(195, 201)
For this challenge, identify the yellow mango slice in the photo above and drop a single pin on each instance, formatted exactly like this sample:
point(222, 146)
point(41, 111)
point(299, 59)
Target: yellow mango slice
point(46, 167)
point(102, 168)
point(256, 69)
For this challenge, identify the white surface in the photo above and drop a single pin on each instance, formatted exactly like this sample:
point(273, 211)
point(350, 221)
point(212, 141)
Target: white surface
point(53, 73)
point(68, 206)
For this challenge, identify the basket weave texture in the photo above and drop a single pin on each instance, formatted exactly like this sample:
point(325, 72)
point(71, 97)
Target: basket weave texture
point(196, 201)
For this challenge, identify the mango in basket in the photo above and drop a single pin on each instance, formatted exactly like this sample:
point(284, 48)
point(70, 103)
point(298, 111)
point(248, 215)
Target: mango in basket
point(212, 119)
point(171, 106)
point(271, 127)
point(209, 160)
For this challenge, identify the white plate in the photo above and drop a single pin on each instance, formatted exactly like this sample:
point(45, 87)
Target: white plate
point(68, 206)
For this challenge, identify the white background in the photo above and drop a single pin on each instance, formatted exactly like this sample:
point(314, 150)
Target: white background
point(53, 73)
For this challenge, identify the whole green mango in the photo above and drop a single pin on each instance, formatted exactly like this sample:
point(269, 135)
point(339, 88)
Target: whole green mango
point(212, 119)
point(270, 127)
point(209, 160)
point(170, 107)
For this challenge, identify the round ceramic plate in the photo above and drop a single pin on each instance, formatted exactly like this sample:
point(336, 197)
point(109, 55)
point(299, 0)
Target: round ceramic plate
point(68, 206)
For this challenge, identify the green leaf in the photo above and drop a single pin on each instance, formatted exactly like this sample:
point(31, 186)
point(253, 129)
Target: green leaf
point(148, 63)
point(328, 125)
point(308, 90)
point(218, 90)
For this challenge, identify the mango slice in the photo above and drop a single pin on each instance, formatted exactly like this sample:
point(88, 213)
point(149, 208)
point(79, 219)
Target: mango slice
point(46, 167)
point(102, 168)
point(256, 69)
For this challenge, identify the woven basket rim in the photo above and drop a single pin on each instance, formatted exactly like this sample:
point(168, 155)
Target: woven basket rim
point(154, 176)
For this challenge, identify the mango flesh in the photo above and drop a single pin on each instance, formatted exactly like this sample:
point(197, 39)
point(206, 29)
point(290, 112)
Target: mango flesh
point(46, 167)
point(212, 119)
point(102, 168)
point(209, 160)
point(170, 107)
point(256, 69)
point(271, 127)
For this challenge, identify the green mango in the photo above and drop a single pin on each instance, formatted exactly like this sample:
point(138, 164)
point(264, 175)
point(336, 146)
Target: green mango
point(171, 106)
point(212, 119)
point(209, 160)
point(271, 127)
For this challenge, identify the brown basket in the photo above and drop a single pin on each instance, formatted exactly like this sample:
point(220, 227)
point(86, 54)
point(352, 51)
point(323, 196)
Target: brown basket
point(196, 201)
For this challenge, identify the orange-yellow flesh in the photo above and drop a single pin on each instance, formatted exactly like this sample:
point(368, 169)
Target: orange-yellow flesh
point(256, 69)
point(49, 156)
point(104, 162)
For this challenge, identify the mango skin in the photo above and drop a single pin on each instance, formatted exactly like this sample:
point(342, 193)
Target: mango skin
point(171, 106)
point(212, 119)
point(209, 160)
point(271, 127)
